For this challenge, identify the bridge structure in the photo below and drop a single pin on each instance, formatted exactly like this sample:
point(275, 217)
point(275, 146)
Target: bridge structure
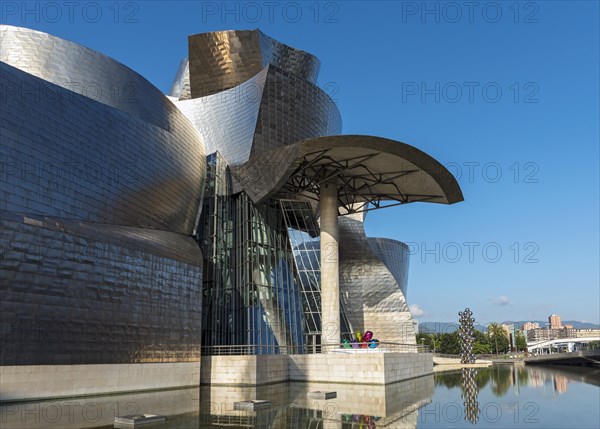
point(560, 344)
point(579, 358)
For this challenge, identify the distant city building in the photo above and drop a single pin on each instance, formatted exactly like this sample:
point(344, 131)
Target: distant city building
point(542, 334)
point(527, 326)
point(554, 320)
point(587, 333)
point(509, 333)
point(568, 326)
point(507, 329)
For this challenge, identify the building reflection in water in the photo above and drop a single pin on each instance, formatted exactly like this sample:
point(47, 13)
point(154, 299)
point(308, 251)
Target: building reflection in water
point(356, 406)
point(539, 377)
point(502, 378)
point(95, 412)
point(506, 376)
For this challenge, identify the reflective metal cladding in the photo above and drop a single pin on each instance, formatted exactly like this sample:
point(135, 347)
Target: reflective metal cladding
point(141, 227)
point(224, 59)
point(102, 179)
point(78, 148)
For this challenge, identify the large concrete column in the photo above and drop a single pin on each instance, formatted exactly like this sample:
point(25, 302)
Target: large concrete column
point(330, 266)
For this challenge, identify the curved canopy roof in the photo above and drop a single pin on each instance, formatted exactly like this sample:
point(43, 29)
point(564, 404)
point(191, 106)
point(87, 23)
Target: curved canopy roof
point(368, 171)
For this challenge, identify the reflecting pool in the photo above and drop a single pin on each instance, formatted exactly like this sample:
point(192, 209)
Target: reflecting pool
point(502, 396)
point(506, 396)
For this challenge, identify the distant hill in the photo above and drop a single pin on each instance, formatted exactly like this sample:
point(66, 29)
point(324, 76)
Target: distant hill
point(576, 324)
point(444, 327)
point(449, 327)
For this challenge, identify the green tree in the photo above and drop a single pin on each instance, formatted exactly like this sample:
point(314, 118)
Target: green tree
point(520, 341)
point(503, 344)
point(481, 343)
point(593, 345)
point(432, 341)
point(481, 348)
point(450, 343)
point(435, 341)
point(426, 340)
point(498, 337)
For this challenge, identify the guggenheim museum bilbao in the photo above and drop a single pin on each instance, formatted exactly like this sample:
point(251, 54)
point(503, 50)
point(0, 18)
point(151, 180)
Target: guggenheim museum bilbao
point(144, 234)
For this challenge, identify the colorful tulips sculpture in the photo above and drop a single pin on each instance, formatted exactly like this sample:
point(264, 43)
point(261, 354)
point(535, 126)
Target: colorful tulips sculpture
point(361, 340)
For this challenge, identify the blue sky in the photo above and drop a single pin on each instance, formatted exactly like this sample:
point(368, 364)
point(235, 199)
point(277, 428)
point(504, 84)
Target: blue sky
point(505, 94)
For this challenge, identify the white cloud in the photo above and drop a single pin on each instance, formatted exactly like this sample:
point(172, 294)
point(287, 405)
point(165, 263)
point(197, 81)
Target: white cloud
point(416, 310)
point(502, 300)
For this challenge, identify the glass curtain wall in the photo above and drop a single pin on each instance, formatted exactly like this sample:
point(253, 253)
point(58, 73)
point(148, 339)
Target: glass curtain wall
point(303, 233)
point(251, 292)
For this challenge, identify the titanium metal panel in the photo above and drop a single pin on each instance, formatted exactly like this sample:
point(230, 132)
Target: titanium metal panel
point(223, 59)
point(300, 63)
point(65, 155)
point(99, 199)
point(372, 298)
point(77, 292)
point(293, 109)
point(227, 120)
point(180, 89)
point(266, 113)
point(89, 73)
point(396, 257)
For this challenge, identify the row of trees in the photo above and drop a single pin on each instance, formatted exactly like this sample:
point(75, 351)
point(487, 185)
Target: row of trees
point(494, 341)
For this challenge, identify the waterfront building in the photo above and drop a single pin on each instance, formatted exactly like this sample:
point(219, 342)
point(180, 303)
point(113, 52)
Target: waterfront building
point(141, 232)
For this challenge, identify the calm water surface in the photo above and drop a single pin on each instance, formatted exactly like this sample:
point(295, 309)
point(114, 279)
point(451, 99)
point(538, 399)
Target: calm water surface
point(515, 397)
point(496, 397)
point(502, 396)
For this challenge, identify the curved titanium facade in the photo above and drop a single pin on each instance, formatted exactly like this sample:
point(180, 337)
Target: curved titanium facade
point(103, 184)
point(293, 109)
point(396, 257)
point(180, 89)
point(227, 120)
point(91, 160)
point(285, 144)
point(86, 293)
point(252, 96)
point(221, 60)
point(100, 198)
point(373, 298)
point(68, 156)
point(92, 74)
